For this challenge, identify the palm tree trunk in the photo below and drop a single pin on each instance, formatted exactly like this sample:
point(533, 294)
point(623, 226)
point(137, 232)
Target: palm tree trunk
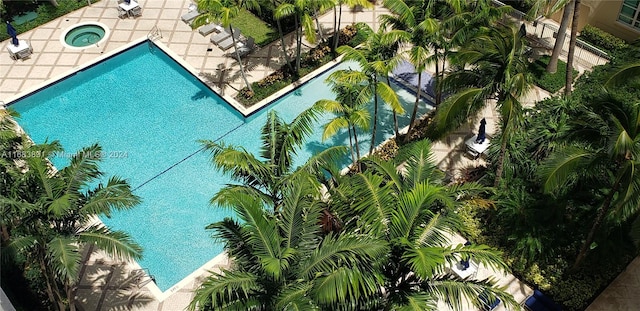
point(244, 75)
point(572, 48)
point(500, 165)
point(602, 212)
point(552, 67)
point(375, 114)
point(298, 44)
point(355, 140)
point(335, 28)
point(437, 78)
point(70, 297)
point(415, 108)
point(48, 281)
point(320, 31)
point(395, 115)
point(282, 43)
point(336, 38)
point(353, 156)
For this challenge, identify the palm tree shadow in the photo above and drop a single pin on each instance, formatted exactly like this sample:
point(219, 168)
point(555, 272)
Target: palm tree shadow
point(112, 287)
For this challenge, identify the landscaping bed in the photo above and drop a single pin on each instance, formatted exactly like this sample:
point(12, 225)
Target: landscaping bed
point(46, 12)
point(549, 82)
point(310, 61)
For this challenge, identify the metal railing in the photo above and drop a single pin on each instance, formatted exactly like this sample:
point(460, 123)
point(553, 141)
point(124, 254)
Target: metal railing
point(154, 33)
point(585, 53)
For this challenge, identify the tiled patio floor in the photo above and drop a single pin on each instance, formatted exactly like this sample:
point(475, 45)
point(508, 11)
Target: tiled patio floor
point(108, 285)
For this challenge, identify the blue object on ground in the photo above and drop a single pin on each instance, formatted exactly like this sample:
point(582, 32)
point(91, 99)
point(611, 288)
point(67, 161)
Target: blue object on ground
point(540, 302)
point(486, 306)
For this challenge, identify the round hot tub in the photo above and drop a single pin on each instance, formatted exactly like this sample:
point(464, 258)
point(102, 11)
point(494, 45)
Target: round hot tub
point(84, 35)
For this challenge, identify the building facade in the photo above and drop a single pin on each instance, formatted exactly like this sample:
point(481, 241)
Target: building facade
point(617, 17)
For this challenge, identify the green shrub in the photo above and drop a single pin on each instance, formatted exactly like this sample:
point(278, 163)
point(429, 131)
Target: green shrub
point(550, 82)
point(46, 13)
point(602, 39)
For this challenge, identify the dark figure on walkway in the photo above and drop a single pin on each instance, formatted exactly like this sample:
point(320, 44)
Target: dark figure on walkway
point(482, 135)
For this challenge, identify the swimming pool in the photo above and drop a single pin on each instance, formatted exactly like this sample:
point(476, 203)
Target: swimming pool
point(148, 114)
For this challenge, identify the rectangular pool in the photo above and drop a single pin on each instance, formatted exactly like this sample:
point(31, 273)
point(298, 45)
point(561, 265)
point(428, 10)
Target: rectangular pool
point(148, 112)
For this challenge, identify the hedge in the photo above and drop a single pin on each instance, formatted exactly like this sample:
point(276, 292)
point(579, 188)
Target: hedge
point(602, 39)
point(46, 13)
point(550, 82)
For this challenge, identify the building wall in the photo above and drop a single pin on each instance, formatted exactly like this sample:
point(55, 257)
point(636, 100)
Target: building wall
point(604, 15)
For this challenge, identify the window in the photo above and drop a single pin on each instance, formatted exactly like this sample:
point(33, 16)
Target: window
point(629, 13)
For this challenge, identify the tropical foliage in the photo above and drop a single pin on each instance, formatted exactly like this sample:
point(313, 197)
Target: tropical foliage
point(49, 216)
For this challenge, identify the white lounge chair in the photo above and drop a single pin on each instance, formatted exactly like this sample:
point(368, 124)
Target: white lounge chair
point(228, 42)
point(207, 29)
point(217, 38)
point(190, 16)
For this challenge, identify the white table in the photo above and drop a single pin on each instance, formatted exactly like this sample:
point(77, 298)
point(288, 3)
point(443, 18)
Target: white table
point(128, 6)
point(23, 49)
point(475, 149)
point(456, 268)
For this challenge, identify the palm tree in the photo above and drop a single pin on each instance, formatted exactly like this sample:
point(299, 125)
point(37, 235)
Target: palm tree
point(603, 151)
point(376, 57)
point(411, 209)
point(337, 17)
point(60, 221)
point(303, 12)
point(493, 66)
point(548, 7)
point(225, 11)
point(282, 261)
point(349, 107)
point(572, 48)
point(264, 178)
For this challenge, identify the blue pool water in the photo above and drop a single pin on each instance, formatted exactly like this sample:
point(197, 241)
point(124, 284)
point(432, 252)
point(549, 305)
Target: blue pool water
point(148, 113)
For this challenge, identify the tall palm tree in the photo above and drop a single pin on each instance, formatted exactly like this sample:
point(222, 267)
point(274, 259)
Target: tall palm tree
point(225, 11)
point(492, 67)
point(572, 48)
point(414, 26)
point(61, 220)
point(337, 16)
point(303, 13)
point(376, 56)
point(411, 209)
point(548, 7)
point(282, 261)
point(264, 176)
point(604, 151)
point(352, 96)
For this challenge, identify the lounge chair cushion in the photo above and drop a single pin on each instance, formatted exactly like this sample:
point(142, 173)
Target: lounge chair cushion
point(207, 29)
point(190, 16)
point(217, 38)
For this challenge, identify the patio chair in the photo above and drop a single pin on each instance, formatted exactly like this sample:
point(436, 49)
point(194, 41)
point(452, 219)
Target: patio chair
point(228, 43)
point(137, 11)
point(122, 13)
point(246, 47)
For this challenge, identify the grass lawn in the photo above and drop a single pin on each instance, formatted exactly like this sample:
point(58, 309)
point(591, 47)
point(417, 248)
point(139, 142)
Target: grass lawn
point(550, 82)
point(252, 26)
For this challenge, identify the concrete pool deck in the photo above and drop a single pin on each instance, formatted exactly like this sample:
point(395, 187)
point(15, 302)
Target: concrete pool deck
point(109, 285)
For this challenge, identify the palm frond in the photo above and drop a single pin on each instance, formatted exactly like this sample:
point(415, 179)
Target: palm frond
point(117, 244)
point(64, 257)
